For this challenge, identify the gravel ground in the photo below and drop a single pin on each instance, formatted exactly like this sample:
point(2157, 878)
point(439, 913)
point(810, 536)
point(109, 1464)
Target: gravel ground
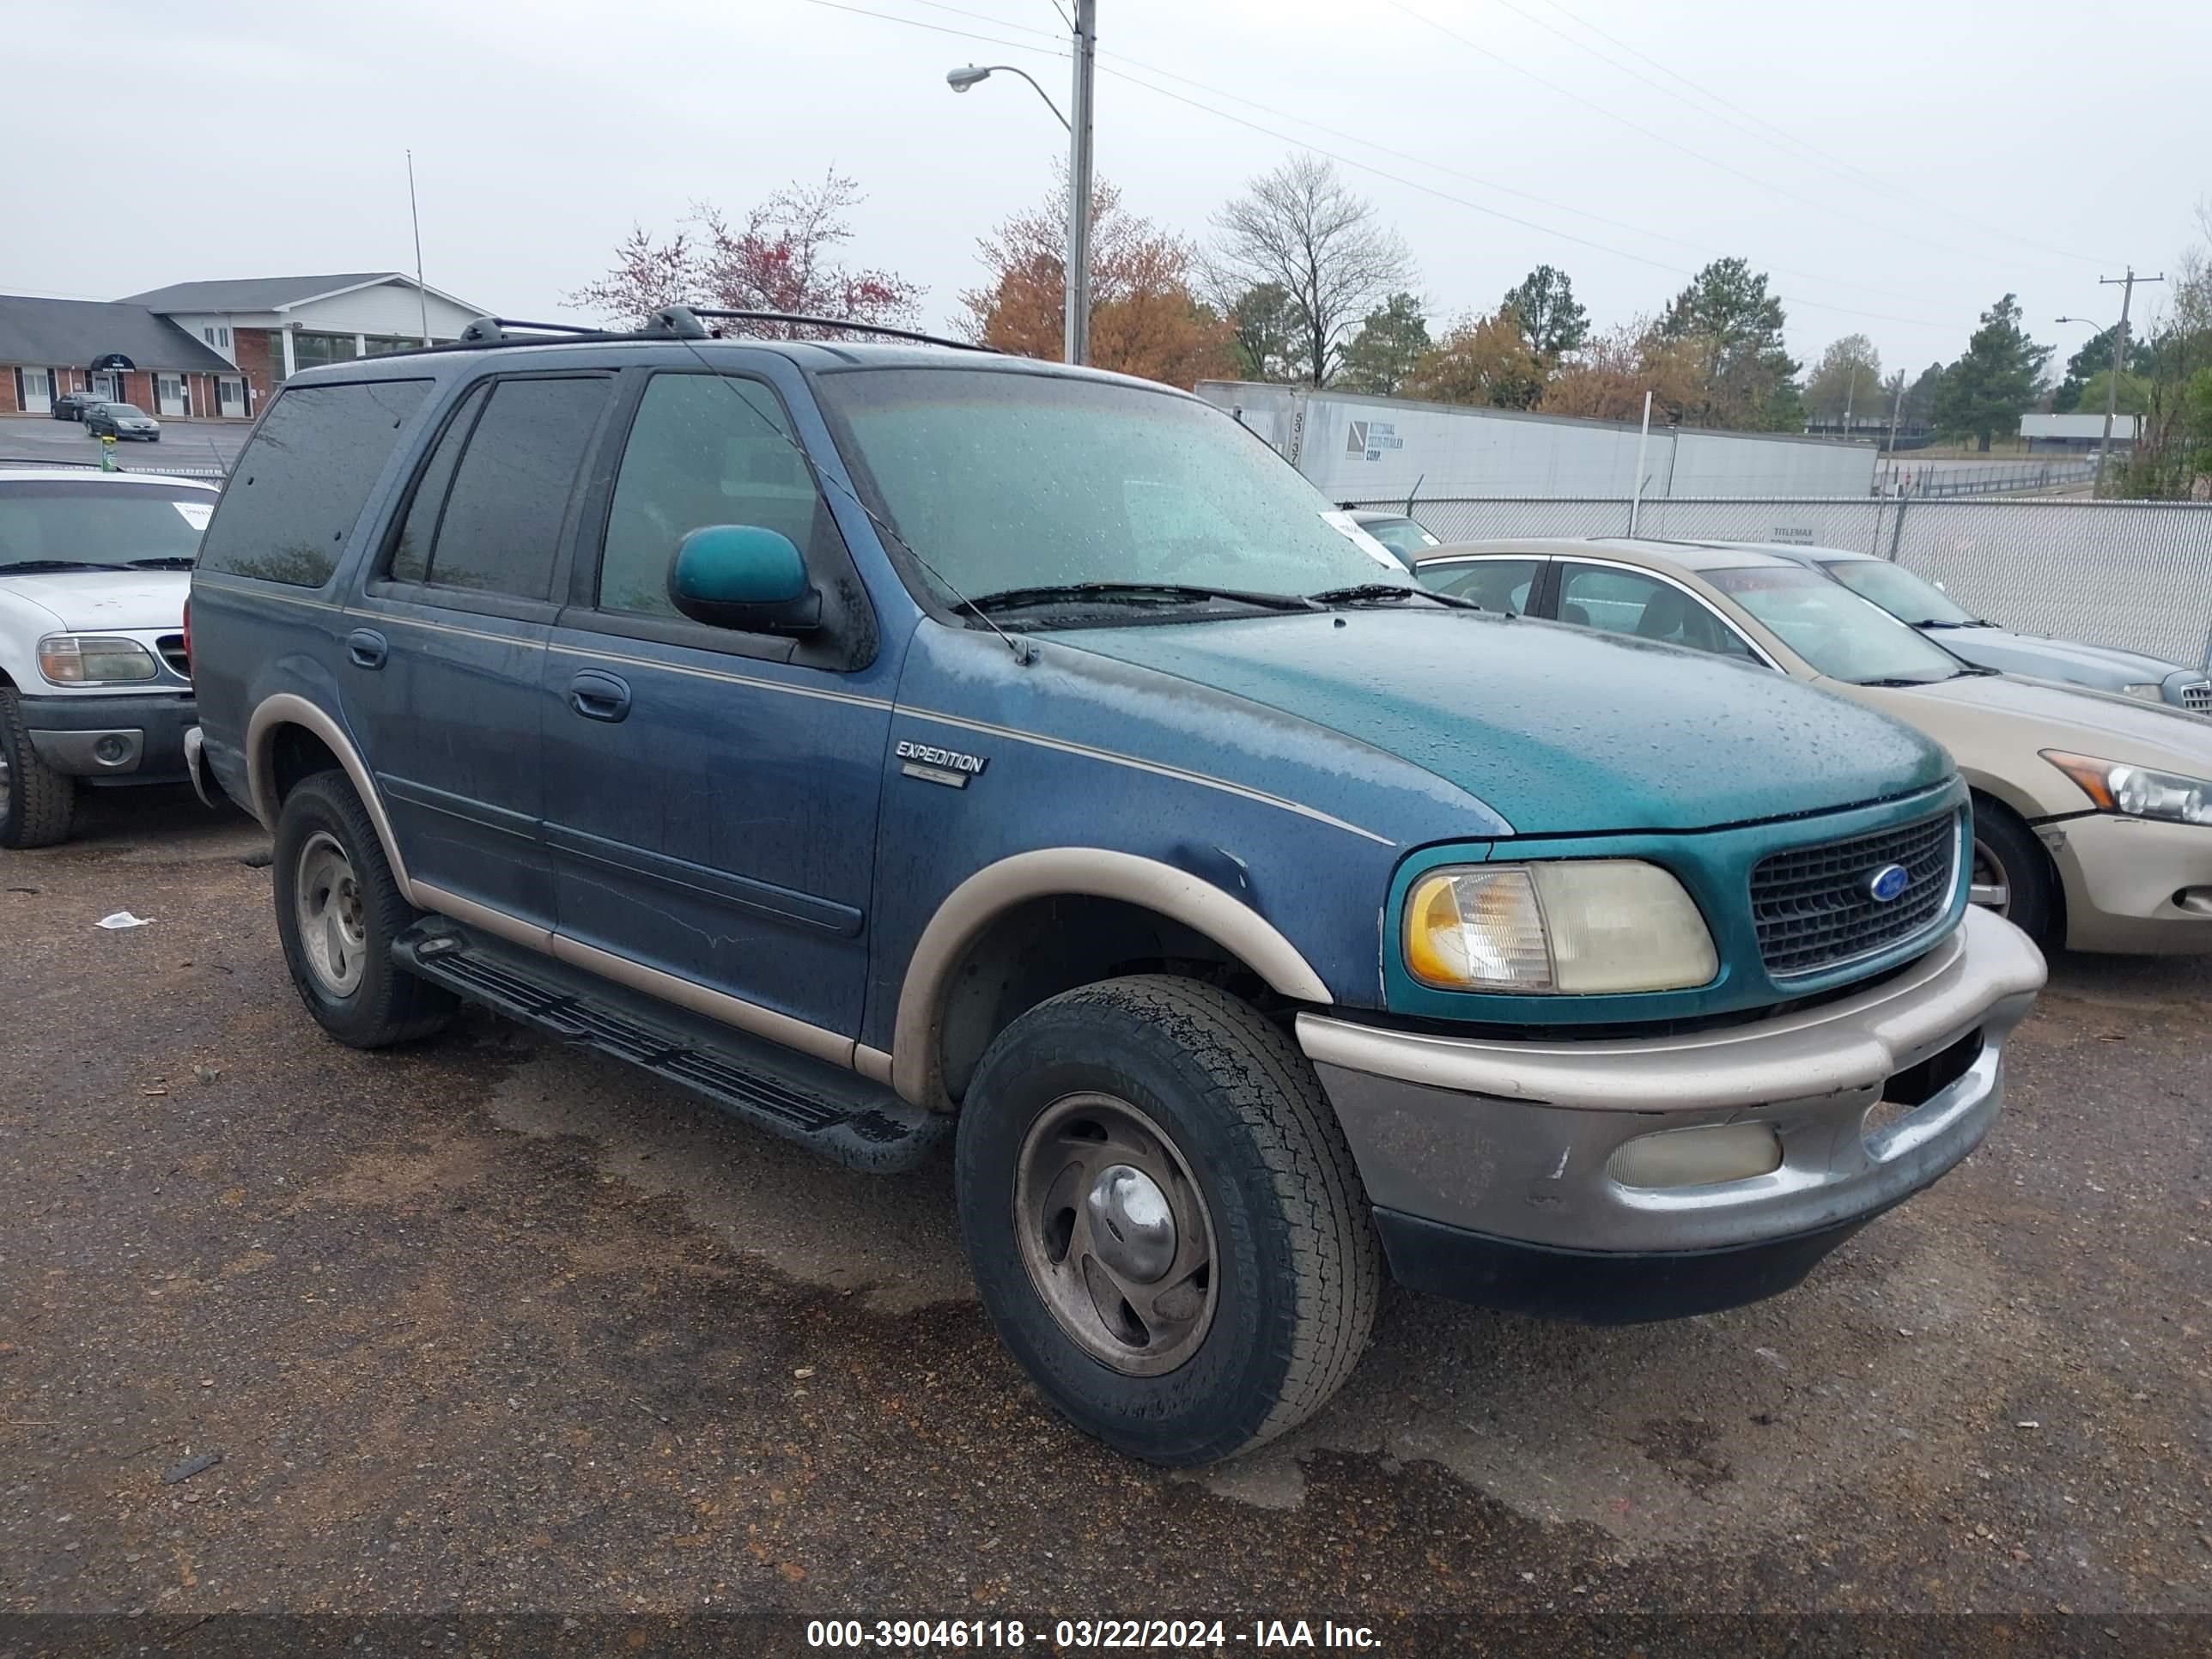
point(486, 1326)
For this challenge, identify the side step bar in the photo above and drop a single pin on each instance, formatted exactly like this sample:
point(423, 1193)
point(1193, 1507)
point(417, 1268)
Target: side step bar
point(841, 1115)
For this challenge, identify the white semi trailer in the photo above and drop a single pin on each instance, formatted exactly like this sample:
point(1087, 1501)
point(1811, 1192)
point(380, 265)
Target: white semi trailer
point(1358, 448)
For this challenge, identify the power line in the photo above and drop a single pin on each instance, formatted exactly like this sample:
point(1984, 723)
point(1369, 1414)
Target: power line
point(1846, 169)
point(1700, 248)
point(1497, 213)
point(1381, 173)
point(1656, 136)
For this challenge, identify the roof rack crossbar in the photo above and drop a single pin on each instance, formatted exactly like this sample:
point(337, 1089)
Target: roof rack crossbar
point(882, 329)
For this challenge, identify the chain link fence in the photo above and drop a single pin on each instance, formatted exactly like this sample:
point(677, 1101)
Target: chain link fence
point(2136, 575)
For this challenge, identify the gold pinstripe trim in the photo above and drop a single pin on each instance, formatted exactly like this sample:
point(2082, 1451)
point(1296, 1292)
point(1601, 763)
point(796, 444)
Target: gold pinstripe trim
point(1154, 766)
point(724, 677)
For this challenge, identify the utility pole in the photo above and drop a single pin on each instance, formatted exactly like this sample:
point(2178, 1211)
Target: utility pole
point(2127, 286)
point(1075, 340)
point(1896, 409)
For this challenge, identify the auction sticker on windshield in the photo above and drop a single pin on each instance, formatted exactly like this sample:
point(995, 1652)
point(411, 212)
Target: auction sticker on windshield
point(1343, 524)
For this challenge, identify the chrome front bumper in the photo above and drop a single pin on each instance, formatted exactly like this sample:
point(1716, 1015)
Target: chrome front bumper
point(1511, 1140)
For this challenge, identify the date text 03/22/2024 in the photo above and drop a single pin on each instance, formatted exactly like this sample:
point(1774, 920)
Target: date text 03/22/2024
point(1067, 1634)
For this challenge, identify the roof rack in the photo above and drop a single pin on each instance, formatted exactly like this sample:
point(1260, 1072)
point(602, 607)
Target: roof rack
point(668, 323)
point(799, 320)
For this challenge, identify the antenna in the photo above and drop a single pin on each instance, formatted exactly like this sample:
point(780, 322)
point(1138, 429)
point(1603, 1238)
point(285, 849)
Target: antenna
point(421, 295)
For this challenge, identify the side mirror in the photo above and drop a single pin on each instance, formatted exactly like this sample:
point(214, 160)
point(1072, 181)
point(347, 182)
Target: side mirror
point(743, 577)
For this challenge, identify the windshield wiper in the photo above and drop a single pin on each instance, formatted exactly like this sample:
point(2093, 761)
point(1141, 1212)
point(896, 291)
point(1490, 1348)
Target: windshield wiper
point(55, 564)
point(1160, 593)
point(174, 561)
point(1898, 680)
point(1360, 592)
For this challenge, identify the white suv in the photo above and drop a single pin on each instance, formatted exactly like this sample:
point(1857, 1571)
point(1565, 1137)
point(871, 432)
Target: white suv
point(94, 682)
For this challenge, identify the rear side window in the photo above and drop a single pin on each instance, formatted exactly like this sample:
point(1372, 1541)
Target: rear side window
point(500, 527)
point(1493, 584)
point(298, 489)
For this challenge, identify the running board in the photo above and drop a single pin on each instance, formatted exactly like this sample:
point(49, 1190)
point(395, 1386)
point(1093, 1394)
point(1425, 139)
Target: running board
point(836, 1113)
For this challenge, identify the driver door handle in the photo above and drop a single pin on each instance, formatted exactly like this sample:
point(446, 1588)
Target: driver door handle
point(365, 648)
point(599, 696)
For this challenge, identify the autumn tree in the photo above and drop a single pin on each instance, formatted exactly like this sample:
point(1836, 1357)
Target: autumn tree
point(1846, 380)
point(780, 255)
point(1551, 321)
point(1146, 318)
point(1265, 325)
point(1986, 390)
point(1382, 356)
point(1301, 228)
point(1485, 360)
point(1733, 325)
point(1606, 380)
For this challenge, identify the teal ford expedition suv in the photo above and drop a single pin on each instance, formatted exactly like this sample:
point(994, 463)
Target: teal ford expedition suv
point(895, 744)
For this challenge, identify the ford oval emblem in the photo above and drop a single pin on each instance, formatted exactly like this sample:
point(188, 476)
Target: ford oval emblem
point(1887, 883)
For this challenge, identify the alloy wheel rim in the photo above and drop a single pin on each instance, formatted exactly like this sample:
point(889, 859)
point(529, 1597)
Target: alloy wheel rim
point(333, 928)
point(1115, 1235)
point(1988, 885)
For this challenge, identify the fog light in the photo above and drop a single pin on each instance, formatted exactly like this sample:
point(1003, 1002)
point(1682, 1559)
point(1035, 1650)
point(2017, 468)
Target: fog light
point(111, 750)
point(1697, 1157)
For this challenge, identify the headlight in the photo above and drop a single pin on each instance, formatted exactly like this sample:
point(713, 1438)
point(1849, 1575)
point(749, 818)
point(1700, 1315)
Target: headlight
point(79, 659)
point(2149, 690)
point(1571, 926)
point(2135, 792)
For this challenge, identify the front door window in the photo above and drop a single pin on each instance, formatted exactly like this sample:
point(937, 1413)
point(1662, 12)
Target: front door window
point(1630, 602)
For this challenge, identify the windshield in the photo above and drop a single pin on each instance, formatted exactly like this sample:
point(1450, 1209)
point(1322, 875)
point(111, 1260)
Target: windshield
point(1003, 480)
point(125, 408)
point(1839, 633)
point(1904, 595)
point(1403, 537)
point(68, 520)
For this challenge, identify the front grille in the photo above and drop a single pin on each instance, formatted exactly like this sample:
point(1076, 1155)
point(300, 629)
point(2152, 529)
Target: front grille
point(2197, 698)
point(1814, 912)
point(172, 647)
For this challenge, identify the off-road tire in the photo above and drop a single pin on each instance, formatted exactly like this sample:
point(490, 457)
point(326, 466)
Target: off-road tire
point(1297, 1267)
point(2030, 878)
point(389, 1005)
point(41, 802)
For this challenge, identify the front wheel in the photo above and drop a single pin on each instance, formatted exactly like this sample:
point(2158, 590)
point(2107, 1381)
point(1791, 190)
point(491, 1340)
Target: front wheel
point(36, 804)
point(2012, 873)
point(338, 909)
point(1164, 1222)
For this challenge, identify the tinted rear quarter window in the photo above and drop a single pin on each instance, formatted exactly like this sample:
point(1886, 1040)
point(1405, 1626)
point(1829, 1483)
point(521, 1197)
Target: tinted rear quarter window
point(298, 489)
point(501, 525)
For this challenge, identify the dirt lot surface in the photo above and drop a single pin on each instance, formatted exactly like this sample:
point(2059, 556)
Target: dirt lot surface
point(486, 1325)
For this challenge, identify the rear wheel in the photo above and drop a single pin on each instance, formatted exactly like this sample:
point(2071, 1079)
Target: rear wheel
point(1163, 1219)
point(36, 804)
point(338, 909)
point(2012, 873)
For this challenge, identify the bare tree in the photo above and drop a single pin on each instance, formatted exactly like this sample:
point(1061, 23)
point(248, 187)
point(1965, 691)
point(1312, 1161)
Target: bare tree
point(1302, 230)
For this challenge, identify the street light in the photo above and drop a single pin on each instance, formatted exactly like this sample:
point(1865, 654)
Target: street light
point(969, 75)
point(1075, 334)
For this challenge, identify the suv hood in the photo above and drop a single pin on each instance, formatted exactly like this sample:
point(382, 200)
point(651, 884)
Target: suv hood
point(2030, 654)
point(1561, 730)
point(92, 600)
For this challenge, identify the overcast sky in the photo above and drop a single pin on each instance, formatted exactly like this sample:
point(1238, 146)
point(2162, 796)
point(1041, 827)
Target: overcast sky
point(1895, 166)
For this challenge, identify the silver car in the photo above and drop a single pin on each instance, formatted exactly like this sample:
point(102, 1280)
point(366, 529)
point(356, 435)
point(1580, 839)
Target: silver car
point(1916, 600)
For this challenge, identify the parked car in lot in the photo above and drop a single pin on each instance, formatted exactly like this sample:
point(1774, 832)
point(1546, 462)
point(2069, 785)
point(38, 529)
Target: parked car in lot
point(2093, 810)
point(1913, 598)
point(94, 682)
point(896, 741)
point(71, 406)
point(121, 420)
point(1406, 537)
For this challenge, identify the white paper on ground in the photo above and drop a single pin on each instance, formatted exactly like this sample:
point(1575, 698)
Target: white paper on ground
point(121, 920)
